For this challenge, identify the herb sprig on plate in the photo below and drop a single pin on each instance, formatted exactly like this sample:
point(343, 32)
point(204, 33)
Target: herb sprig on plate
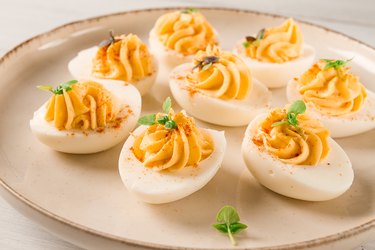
point(165, 120)
point(228, 222)
point(297, 108)
point(59, 90)
point(250, 40)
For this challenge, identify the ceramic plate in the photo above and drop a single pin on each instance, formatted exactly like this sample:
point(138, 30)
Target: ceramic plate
point(82, 199)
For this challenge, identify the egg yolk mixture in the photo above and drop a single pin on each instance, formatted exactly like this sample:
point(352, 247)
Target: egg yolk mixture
point(86, 106)
point(185, 33)
point(173, 149)
point(127, 59)
point(333, 92)
point(278, 45)
point(220, 74)
point(306, 144)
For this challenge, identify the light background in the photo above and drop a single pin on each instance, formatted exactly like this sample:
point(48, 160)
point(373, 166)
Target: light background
point(22, 19)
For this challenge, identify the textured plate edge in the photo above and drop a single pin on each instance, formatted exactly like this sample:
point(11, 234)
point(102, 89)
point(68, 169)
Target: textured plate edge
point(293, 246)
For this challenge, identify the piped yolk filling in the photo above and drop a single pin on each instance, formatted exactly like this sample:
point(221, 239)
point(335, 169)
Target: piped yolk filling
point(185, 33)
point(279, 44)
point(306, 144)
point(173, 149)
point(127, 59)
point(87, 106)
point(332, 92)
point(228, 79)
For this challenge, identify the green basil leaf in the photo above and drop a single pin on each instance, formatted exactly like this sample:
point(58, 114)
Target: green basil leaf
point(297, 107)
point(162, 120)
point(147, 119)
point(221, 227)
point(45, 88)
point(327, 60)
point(292, 119)
point(167, 104)
point(336, 64)
point(58, 90)
point(246, 44)
point(330, 65)
point(170, 124)
point(228, 222)
point(227, 215)
point(237, 227)
point(69, 83)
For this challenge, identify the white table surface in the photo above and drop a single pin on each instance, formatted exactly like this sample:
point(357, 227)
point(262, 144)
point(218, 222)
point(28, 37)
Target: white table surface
point(22, 19)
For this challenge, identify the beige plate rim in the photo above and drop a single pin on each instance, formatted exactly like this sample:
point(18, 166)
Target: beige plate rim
point(306, 244)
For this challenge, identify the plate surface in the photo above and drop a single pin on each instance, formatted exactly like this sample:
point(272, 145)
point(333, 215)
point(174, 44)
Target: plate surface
point(82, 198)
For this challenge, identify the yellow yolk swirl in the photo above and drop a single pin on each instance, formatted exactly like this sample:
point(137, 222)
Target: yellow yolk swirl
point(127, 59)
point(305, 145)
point(279, 44)
point(184, 33)
point(332, 92)
point(173, 149)
point(229, 78)
point(87, 106)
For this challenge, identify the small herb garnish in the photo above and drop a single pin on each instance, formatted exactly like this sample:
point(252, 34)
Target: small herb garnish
point(228, 222)
point(250, 40)
point(59, 90)
point(297, 108)
point(335, 64)
point(246, 44)
point(189, 11)
point(165, 120)
point(147, 120)
point(109, 41)
point(206, 63)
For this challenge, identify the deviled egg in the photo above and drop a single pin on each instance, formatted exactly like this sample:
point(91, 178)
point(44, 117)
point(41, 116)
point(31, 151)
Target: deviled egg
point(169, 157)
point(178, 35)
point(86, 117)
point(217, 87)
point(336, 97)
point(124, 58)
point(292, 154)
point(280, 50)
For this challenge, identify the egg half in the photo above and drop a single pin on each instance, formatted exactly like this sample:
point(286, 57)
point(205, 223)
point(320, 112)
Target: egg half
point(340, 126)
point(276, 75)
point(276, 54)
point(215, 110)
point(174, 39)
point(327, 180)
point(126, 99)
point(81, 68)
point(178, 35)
point(156, 187)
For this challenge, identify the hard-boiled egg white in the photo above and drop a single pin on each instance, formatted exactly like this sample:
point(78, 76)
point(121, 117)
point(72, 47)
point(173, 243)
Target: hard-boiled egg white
point(126, 99)
point(214, 110)
point(167, 59)
point(327, 180)
point(158, 187)
point(81, 66)
point(276, 75)
point(340, 126)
